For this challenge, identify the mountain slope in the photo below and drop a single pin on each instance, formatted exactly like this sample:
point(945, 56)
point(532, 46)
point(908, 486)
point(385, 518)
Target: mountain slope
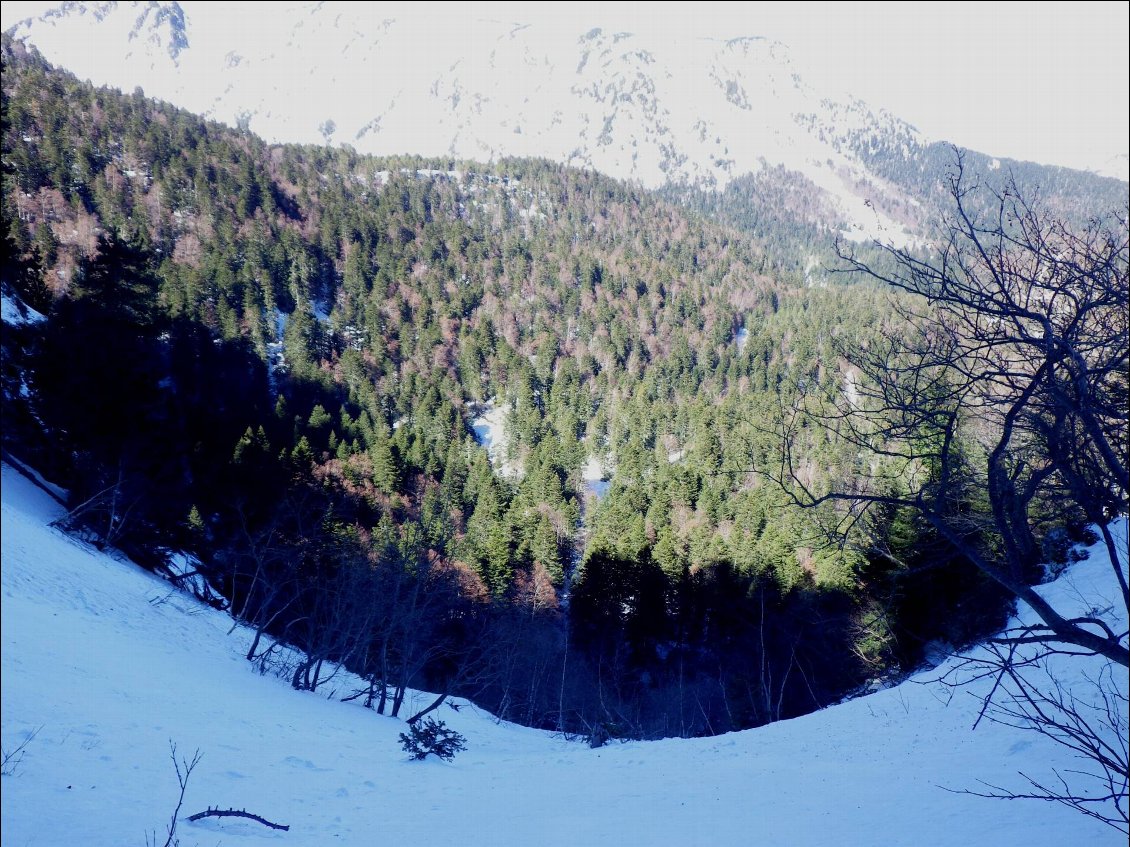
point(694, 111)
point(390, 303)
point(109, 665)
point(688, 112)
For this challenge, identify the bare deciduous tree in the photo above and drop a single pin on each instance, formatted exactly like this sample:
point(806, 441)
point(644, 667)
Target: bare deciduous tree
point(1087, 718)
point(995, 410)
point(1001, 403)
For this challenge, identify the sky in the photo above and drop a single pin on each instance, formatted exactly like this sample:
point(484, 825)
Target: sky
point(1046, 82)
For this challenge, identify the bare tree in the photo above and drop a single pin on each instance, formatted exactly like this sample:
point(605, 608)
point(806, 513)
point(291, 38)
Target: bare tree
point(1000, 403)
point(994, 409)
point(103, 516)
point(1088, 719)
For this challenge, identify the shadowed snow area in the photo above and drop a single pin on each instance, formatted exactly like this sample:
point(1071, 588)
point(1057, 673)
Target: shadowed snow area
point(490, 432)
point(15, 312)
point(111, 665)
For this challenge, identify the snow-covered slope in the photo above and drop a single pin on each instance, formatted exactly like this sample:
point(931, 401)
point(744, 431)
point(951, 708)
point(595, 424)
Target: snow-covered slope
point(15, 312)
point(109, 666)
point(392, 80)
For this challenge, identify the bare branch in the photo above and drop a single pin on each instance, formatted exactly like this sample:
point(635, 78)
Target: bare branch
point(237, 813)
point(184, 769)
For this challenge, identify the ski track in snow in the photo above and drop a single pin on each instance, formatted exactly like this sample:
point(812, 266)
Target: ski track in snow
point(112, 665)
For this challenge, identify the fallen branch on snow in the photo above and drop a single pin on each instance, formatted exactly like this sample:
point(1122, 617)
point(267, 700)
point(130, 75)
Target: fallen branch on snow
point(236, 813)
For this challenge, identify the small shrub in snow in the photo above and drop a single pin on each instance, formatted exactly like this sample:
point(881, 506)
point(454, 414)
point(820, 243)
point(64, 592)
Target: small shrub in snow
point(13, 758)
point(1061, 549)
point(431, 736)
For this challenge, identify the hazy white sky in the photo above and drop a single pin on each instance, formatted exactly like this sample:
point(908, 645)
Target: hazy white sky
point(1043, 81)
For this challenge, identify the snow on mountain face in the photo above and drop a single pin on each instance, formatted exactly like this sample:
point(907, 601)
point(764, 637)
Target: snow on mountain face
point(658, 111)
point(1117, 167)
point(142, 29)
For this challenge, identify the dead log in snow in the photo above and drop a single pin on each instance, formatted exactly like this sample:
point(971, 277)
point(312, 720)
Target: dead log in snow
point(236, 813)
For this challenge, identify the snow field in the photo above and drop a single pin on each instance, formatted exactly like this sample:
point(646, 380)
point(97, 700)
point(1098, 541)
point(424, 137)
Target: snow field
point(110, 665)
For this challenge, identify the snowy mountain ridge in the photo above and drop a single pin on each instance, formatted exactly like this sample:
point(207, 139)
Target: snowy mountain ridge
point(387, 81)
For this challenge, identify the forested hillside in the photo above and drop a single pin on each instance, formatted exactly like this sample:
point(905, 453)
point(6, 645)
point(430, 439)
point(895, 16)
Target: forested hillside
point(785, 209)
point(270, 358)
